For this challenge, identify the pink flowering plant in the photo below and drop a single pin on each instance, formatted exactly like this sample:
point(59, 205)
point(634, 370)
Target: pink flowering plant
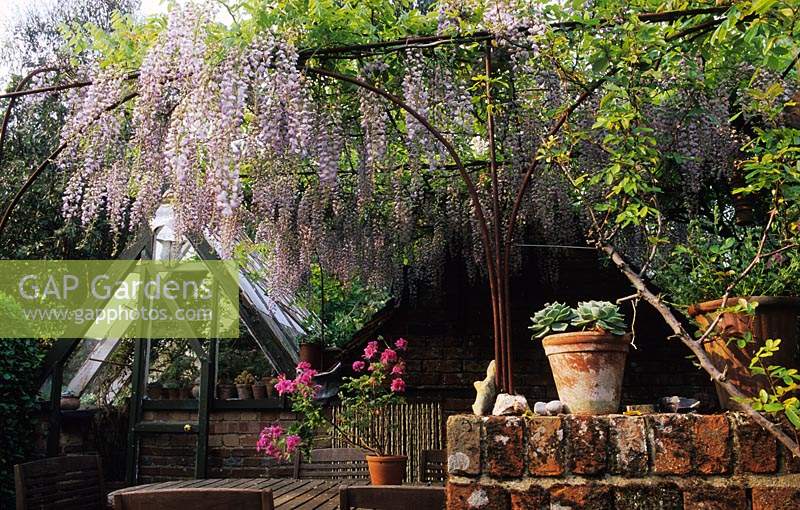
point(377, 382)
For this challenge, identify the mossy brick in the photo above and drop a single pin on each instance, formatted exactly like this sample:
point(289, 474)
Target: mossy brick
point(474, 496)
point(670, 437)
point(464, 444)
point(545, 437)
point(504, 447)
point(628, 446)
point(588, 496)
point(756, 449)
point(587, 439)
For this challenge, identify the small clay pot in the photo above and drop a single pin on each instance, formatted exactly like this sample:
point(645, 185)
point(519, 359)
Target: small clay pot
point(70, 403)
point(311, 353)
point(225, 391)
point(259, 391)
point(387, 469)
point(173, 393)
point(269, 385)
point(245, 391)
point(185, 393)
point(154, 392)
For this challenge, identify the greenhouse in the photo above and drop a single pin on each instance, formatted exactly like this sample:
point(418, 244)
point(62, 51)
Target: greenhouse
point(395, 254)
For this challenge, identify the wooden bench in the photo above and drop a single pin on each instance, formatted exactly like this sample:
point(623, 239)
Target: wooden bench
point(392, 497)
point(71, 482)
point(432, 467)
point(332, 464)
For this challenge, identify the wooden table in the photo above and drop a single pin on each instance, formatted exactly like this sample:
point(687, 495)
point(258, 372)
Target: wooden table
point(288, 493)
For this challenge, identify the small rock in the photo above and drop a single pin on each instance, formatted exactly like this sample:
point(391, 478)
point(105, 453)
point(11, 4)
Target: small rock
point(678, 404)
point(486, 392)
point(554, 407)
point(510, 405)
point(540, 408)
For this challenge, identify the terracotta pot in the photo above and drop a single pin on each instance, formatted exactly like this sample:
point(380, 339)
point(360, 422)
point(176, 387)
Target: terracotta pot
point(311, 353)
point(587, 367)
point(269, 385)
point(245, 391)
point(185, 393)
point(69, 403)
point(387, 469)
point(775, 317)
point(154, 392)
point(259, 391)
point(173, 393)
point(225, 391)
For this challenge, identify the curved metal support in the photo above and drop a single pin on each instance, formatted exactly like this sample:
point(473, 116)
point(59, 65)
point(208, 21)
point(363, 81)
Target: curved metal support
point(7, 116)
point(39, 169)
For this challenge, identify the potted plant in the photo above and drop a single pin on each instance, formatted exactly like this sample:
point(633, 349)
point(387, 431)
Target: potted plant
point(269, 385)
point(311, 348)
point(155, 391)
point(259, 389)
point(377, 382)
point(761, 305)
point(244, 385)
point(173, 392)
point(225, 389)
point(587, 347)
point(69, 401)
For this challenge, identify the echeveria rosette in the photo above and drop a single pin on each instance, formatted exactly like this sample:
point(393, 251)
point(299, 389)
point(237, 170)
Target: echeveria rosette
point(600, 316)
point(553, 318)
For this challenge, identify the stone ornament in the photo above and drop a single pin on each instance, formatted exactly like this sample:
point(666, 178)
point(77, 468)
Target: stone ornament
point(506, 405)
point(486, 392)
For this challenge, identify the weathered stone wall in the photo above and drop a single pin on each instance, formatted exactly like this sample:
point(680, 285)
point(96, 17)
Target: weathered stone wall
point(664, 461)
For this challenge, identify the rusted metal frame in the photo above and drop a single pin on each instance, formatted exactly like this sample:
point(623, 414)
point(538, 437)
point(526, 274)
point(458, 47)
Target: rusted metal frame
point(501, 338)
point(54, 419)
point(7, 116)
point(473, 193)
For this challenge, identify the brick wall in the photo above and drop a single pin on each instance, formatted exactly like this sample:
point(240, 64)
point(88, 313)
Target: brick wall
point(665, 461)
point(231, 445)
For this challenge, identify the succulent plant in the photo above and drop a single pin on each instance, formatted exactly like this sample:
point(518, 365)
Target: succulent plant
point(599, 315)
point(245, 378)
point(553, 318)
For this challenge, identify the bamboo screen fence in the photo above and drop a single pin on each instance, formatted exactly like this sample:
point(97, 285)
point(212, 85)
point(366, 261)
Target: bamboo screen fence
point(408, 429)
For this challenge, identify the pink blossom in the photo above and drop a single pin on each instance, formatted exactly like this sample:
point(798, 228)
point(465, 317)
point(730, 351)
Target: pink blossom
point(303, 366)
point(399, 369)
point(371, 350)
point(401, 344)
point(398, 385)
point(358, 366)
point(388, 356)
point(284, 385)
point(292, 442)
point(304, 378)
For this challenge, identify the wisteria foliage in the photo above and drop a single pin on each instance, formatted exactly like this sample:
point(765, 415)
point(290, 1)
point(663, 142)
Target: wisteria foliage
point(242, 142)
